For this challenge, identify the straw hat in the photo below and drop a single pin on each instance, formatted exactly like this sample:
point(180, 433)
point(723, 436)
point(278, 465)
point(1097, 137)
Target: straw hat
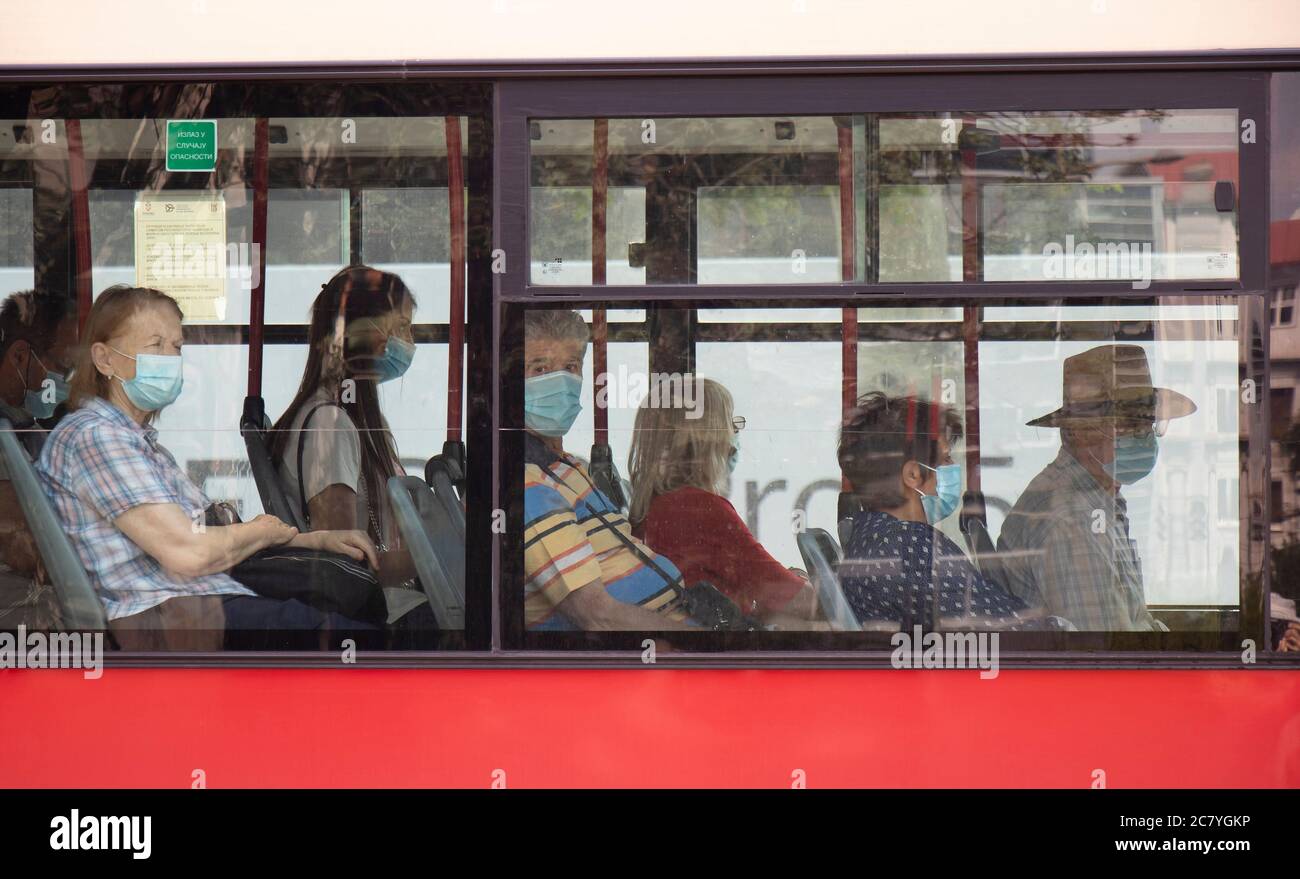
point(1112, 381)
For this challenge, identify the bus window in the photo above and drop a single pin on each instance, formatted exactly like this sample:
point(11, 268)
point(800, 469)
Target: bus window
point(294, 364)
point(1105, 446)
point(1125, 195)
point(1132, 195)
point(763, 195)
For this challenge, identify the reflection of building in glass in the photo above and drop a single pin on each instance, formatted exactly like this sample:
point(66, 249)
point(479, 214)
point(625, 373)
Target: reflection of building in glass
point(1284, 357)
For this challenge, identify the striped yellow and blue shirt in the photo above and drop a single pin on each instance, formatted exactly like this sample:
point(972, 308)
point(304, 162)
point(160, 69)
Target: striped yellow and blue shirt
point(574, 536)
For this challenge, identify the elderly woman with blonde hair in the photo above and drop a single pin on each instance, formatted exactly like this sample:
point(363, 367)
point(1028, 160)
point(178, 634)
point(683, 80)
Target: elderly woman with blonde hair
point(685, 445)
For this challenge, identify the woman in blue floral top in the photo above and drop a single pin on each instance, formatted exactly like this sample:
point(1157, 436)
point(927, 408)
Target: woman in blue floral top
point(896, 454)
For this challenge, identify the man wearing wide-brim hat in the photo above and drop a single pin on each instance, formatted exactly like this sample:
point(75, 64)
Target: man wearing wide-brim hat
point(1065, 543)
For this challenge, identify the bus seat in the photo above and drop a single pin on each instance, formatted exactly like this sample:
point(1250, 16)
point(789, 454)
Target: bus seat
point(79, 606)
point(438, 476)
point(845, 529)
point(451, 461)
point(822, 556)
point(274, 500)
point(973, 522)
point(436, 543)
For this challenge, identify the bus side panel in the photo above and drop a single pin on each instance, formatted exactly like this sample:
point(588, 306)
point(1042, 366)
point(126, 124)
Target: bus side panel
point(652, 728)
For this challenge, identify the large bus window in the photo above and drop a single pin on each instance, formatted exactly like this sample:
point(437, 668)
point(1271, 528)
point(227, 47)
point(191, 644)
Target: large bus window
point(269, 452)
point(1069, 475)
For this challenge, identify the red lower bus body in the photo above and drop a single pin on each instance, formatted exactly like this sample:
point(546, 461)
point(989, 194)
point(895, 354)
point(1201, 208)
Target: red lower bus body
point(155, 728)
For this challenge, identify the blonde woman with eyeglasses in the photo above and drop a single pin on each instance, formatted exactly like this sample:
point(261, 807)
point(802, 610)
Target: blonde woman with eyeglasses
point(684, 448)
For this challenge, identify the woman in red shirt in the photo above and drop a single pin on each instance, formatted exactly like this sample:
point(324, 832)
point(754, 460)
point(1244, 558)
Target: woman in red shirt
point(684, 446)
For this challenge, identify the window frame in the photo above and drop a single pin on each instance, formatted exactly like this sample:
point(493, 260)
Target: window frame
point(1088, 649)
point(520, 101)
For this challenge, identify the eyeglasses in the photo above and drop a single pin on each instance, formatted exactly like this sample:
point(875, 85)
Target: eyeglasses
point(738, 423)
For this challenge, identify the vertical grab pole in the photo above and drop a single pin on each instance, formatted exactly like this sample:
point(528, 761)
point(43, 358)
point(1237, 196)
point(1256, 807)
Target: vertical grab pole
point(848, 272)
point(599, 326)
point(970, 262)
point(603, 471)
point(254, 405)
point(257, 300)
point(79, 181)
point(453, 450)
point(456, 353)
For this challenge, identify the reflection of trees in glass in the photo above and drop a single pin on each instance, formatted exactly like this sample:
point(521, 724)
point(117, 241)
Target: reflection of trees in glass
point(406, 225)
point(16, 227)
point(920, 189)
point(771, 221)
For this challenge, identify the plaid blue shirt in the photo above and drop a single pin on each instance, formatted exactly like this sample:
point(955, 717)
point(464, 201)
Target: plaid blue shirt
point(98, 464)
point(1066, 545)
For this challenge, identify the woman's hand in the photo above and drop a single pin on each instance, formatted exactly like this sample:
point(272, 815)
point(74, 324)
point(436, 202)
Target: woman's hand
point(354, 544)
point(273, 531)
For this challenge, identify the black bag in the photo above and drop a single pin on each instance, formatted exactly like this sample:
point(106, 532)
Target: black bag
point(324, 580)
point(327, 581)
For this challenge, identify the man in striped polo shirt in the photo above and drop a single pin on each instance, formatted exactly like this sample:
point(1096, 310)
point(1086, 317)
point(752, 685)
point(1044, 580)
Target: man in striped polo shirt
point(583, 568)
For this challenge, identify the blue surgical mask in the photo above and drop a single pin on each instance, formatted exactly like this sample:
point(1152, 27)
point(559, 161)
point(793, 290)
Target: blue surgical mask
point(943, 503)
point(40, 402)
point(157, 383)
point(1135, 456)
point(734, 458)
point(396, 360)
point(552, 402)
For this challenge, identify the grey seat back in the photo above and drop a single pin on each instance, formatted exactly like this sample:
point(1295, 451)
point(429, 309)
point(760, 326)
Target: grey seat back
point(821, 554)
point(274, 499)
point(80, 606)
point(436, 541)
point(439, 475)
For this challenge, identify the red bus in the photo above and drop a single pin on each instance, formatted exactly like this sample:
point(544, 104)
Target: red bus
point(961, 232)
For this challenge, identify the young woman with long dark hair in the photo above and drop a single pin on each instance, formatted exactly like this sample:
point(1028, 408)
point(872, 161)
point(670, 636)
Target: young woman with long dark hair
point(332, 445)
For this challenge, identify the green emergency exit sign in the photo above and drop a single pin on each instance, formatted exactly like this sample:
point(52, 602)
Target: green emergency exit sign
point(191, 144)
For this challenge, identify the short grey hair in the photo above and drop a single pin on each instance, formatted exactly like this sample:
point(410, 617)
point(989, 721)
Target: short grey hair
point(556, 324)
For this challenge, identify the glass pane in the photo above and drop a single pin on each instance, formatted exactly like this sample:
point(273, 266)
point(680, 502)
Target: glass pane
point(717, 201)
point(17, 268)
point(1106, 196)
point(171, 531)
point(920, 199)
point(1105, 442)
point(1130, 195)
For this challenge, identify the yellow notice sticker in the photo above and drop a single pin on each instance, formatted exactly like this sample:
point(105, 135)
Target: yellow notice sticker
point(180, 249)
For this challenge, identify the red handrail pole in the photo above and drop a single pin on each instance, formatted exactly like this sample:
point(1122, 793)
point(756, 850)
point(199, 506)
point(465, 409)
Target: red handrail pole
point(848, 272)
point(79, 180)
point(257, 300)
point(456, 331)
point(970, 239)
point(599, 326)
